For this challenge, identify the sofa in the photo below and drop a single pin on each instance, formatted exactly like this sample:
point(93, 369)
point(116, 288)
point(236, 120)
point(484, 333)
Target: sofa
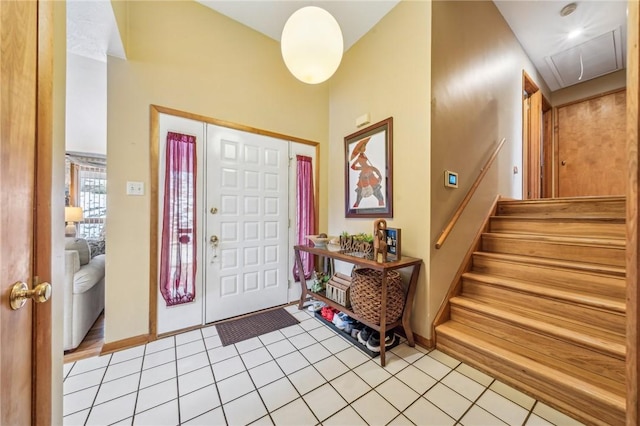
point(83, 290)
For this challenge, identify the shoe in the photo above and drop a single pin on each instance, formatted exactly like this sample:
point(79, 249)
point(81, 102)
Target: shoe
point(348, 324)
point(338, 320)
point(364, 334)
point(328, 313)
point(373, 344)
point(316, 306)
point(355, 329)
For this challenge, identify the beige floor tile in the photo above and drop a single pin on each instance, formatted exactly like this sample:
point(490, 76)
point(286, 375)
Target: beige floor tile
point(374, 409)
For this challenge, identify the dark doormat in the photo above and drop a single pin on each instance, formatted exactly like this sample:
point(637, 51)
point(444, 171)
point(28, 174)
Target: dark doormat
point(244, 328)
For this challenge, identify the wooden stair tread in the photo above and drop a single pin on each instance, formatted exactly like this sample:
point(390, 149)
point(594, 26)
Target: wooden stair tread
point(606, 343)
point(590, 385)
point(562, 239)
point(602, 302)
point(556, 263)
point(569, 219)
point(557, 207)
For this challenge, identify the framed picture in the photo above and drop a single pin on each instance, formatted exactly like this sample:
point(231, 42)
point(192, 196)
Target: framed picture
point(368, 171)
point(393, 244)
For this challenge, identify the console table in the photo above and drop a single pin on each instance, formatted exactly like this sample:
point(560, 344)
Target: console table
point(404, 262)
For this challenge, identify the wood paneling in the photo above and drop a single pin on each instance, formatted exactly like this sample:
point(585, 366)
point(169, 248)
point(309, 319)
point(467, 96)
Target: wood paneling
point(18, 107)
point(633, 206)
point(591, 142)
point(42, 373)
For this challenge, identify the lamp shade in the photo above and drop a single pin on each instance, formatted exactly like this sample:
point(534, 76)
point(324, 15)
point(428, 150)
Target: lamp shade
point(312, 44)
point(73, 214)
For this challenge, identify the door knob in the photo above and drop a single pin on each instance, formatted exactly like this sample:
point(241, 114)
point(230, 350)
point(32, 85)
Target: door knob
point(214, 240)
point(563, 162)
point(213, 210)
point(20, 293)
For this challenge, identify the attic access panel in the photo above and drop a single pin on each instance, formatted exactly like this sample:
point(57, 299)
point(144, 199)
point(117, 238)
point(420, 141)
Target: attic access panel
point(593, 58)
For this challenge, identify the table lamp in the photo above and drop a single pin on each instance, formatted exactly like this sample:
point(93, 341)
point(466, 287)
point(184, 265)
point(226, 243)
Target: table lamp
point(71, 216)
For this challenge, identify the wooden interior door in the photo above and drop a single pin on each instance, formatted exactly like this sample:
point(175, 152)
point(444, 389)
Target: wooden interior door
point(534, 177)
point(25, 131)
point(592, 158)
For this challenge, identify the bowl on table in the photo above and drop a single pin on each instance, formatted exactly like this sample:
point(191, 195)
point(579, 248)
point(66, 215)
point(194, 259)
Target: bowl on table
point(319, 242)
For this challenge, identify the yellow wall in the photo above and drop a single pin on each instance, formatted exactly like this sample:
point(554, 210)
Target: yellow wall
point(387, 73)
point(476, 101)
point(185, 56)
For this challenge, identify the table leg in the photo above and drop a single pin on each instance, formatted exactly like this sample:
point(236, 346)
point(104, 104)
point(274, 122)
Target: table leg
point(408, 306)
point(303, 281)
point(383, 319)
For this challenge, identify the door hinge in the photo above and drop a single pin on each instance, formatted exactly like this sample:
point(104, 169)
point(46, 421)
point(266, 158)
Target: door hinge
point(289, 225)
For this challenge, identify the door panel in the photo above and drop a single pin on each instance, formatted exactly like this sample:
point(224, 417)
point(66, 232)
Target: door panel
point(592, 147)
point(18, 99)
point(246, 181)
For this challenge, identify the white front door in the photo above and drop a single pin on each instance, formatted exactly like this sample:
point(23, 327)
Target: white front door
point(247, 212)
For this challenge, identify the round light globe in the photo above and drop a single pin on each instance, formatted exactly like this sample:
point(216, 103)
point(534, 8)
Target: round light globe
point(311, 44)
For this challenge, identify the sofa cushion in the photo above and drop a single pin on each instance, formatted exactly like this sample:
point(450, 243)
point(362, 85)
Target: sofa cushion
point(89, 274)
point(97, 247)
point(79, 244)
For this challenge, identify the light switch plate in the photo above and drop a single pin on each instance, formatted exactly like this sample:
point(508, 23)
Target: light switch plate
point(135, 188)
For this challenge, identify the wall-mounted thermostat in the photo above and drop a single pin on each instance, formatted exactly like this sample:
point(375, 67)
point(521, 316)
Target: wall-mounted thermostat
point(450, 179)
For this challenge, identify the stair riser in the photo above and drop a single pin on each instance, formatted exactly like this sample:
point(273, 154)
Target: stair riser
point(561, 208)
point(612, 322)
point(564, 228)
point(581, 282)
point(555, 250)
point(556, 393)
point(576, 356)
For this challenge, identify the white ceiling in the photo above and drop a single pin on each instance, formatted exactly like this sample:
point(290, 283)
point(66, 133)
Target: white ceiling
point(543, 33)
point(355, 17)
point(91, 29)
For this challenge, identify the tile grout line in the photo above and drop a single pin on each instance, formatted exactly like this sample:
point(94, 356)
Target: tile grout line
point(98, 390)
point(298, 350)
point(215, 382)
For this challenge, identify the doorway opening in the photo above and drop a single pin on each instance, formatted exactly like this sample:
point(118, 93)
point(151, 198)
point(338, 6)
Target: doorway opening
point(537, 152)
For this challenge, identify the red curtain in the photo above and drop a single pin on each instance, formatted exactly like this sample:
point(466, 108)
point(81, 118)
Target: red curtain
point(305, 212)
point(178, 252)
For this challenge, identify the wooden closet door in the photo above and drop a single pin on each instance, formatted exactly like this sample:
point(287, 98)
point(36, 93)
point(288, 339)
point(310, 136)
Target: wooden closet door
point(592, 146)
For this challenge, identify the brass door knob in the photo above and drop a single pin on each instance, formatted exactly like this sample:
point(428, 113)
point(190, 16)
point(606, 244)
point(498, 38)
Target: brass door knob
point(20, 293)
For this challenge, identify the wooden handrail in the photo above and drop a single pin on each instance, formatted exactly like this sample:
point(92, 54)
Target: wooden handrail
point(447, 230)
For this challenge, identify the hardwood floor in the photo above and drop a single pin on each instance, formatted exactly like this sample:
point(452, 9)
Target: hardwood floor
point(91, 345)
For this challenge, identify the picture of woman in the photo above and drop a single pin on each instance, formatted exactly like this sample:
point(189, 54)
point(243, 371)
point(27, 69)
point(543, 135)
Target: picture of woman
point(369, 179)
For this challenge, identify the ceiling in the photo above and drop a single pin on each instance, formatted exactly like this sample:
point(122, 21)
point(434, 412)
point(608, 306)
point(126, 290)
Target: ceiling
point(537, 24)
point(543, 33)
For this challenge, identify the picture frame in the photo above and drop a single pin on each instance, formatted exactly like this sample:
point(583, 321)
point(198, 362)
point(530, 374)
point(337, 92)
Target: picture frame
point(369, 171)
point(394, 245)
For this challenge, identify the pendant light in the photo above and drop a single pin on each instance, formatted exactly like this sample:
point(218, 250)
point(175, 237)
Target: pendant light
point(312, 44)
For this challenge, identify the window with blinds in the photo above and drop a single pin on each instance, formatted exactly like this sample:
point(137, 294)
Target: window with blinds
point(87, 188)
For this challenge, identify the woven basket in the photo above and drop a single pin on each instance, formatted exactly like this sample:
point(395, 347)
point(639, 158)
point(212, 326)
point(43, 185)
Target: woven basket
point(366, 289)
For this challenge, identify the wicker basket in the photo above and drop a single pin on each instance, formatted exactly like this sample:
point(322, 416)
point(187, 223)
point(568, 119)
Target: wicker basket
point(366, 289)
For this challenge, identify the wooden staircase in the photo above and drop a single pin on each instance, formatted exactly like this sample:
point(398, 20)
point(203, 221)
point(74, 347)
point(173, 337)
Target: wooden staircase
point(542, 304)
